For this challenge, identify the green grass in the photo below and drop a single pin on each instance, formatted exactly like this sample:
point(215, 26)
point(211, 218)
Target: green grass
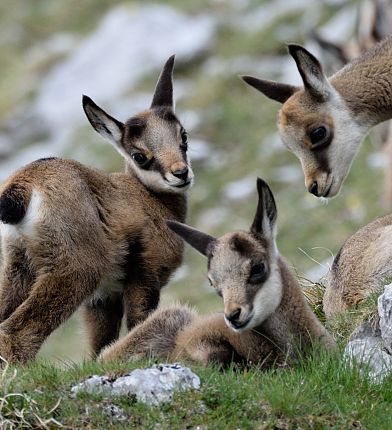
point(322, 392)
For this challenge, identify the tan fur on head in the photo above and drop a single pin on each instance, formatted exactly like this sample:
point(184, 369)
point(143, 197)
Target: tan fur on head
point(324, 123)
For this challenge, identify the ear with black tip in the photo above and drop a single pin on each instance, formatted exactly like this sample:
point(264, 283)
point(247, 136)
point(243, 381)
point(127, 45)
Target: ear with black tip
point(108, 127)
point(273, 90)
point(163, 94)
point(266, 212)
point(311, 72)
point(197, 239)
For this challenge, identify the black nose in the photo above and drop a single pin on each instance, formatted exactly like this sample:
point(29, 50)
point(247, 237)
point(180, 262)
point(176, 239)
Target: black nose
point(314, 189)
point(233, 317)
point(181, 173)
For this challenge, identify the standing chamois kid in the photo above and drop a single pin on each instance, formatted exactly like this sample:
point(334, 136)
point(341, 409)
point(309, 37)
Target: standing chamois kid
point(324, 122)
point(73, 235)
point(266, 318)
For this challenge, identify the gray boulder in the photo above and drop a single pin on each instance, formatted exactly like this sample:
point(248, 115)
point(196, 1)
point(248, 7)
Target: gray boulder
point(152, 386)
point(366, 348)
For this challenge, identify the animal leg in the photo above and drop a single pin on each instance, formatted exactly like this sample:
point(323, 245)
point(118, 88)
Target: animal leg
point(139, 301)
point(16, 280)
point(103, 320)
point(51, 302)
point(154, 337)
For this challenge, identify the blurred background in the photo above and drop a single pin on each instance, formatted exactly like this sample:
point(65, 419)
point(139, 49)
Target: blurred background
point(54, 51)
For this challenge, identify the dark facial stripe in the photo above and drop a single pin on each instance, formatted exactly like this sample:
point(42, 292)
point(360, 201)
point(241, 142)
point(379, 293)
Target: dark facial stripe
point(134, 128)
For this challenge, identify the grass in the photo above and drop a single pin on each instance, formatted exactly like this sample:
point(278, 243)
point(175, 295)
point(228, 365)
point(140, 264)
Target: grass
point(322, 392)
point(239, 125)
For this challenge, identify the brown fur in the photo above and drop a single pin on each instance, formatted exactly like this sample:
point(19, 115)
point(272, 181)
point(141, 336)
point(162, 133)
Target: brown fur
point(361, 267)
point(374, 24)
point(92, 238)
point(347, 105)
point(274, 324)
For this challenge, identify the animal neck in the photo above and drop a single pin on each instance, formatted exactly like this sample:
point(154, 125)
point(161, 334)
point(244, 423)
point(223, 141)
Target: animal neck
point(175, 204)
point(294, 324)
point(365, 84)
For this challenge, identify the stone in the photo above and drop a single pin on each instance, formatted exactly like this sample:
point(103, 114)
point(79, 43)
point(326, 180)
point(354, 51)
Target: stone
point(152, 386)
point(366, 348)
point(385, 313)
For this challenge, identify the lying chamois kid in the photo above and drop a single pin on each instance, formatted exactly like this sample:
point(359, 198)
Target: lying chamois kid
point(324, 123)
point(362, 267)
point(74, 235)
point(266, 317)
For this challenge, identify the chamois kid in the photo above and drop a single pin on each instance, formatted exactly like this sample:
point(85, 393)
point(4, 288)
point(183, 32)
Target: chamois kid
point(324, 122)
point(361, 267)
point(266, 318)
point(73, 235)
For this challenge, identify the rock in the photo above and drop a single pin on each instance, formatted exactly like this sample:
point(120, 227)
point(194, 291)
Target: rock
point(151, 386)
point(385, 313)
point(114, 412)
point(366, 348)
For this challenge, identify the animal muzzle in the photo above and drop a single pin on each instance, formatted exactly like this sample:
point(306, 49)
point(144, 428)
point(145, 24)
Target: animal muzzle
point(237, 317)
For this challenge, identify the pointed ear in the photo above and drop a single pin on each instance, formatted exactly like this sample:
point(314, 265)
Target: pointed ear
point(107, 126)
point(273, 90)
point(311, 72)
point(163, 94)
point(200, 241)
point(266, 213)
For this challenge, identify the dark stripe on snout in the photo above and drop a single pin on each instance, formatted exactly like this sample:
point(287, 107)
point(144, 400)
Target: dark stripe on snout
point(13, 204)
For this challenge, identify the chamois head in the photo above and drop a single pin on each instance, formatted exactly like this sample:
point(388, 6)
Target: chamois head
point(315, 124)
point(242, 266)
point(153, 143)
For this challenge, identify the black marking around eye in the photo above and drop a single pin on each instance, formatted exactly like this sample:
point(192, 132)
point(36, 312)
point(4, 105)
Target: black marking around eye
point(135, 127)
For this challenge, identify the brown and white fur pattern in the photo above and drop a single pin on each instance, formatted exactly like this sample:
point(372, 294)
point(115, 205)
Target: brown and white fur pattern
point(266, 318)
point(324, 122)
point(73, 235)
point(361, 267)
point(374, 23)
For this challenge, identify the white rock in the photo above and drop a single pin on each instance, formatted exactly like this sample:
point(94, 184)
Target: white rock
point(366, 348)
point(151, 386)
point(385, 313)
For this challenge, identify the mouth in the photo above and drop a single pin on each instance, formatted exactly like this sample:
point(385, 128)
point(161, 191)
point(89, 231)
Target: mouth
point(326, 194)
point(183, 185)
point(239, 326)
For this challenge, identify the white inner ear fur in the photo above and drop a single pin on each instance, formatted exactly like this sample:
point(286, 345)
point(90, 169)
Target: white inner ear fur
point(313, 75)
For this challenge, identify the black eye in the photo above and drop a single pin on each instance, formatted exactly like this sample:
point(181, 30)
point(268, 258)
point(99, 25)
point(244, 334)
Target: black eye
point(318, 136)
point(184, 138)
point(139, 158)
point(258, 273)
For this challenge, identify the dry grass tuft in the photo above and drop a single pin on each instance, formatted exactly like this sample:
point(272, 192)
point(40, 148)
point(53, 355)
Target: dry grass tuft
point(19, 410)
